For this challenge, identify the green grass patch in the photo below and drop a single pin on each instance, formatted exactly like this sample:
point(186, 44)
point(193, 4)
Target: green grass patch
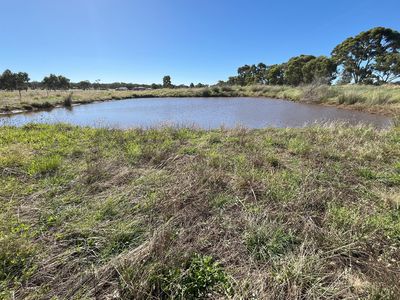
point(44, 165)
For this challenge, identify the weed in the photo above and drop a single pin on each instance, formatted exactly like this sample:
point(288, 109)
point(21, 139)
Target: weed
point(44, 165)
point(195, 279)
point(298, 146)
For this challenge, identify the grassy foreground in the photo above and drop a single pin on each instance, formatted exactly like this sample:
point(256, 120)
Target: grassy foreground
point(179, 213)
point(377, 99)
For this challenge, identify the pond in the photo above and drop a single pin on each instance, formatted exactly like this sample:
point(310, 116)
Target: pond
point(205, 113)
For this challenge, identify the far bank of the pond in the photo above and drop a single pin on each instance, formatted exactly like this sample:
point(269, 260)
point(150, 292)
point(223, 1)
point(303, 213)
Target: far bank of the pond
point(383, 100)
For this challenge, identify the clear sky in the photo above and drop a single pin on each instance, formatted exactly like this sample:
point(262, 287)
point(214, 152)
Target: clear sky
point(191, 40)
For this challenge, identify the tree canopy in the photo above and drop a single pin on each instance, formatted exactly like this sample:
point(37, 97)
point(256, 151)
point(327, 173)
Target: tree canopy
point(371, 56)
point(167, 82)
point(54, 82)
point(303, 69)
point(14, 81)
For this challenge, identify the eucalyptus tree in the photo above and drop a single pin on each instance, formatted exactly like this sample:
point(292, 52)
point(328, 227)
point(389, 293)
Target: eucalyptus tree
point(371, 56)
point(14, 81)
point(84, 85)
point(294, 69)
point(63, 82)
point(167, 82)
point(21, 82)
point(275, 74)
point(7, 80)
point(320, 69)
point(54, 82)
point(50, 82)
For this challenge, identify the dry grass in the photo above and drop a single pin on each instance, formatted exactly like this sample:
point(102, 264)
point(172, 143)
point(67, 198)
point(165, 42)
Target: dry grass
point(376, 99)
point(308, 213)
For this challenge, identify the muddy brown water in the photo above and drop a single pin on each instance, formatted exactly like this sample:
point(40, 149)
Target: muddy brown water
point(206, 113)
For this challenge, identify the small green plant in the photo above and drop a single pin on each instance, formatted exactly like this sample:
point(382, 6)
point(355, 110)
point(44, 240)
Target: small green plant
point(266, 243)
point(134, 152)
point(124, 237)
point(16, 253)
point(44, 165)
point(221, 200)
point(107, 211)
point(367, 173)
point(298, 146)
point(196, 279)
point(343, 217)
point(388, 223)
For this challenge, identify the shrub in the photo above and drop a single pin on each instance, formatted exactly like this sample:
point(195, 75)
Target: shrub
point(68, 100)
point(215, 90)
point(206, 92)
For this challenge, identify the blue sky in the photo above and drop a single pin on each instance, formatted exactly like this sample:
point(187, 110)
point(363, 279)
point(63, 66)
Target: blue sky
point(193, 41)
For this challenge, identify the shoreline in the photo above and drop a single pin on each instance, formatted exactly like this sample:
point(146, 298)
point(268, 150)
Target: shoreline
point(34, 109)
point(375, 100)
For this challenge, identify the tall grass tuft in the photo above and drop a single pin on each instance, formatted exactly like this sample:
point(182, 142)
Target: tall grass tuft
point(68, 100)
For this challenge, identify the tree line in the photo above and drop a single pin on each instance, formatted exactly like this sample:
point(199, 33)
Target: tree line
point(20, 81)
point(371, 57)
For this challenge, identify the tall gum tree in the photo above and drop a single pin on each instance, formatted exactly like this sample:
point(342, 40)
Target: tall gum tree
point(371, 56)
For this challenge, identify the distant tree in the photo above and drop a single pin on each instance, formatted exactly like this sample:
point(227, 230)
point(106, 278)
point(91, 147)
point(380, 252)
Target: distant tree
point(21, 82)
point(7, 80)
point(35, 85)
point(261, 73)
point(63, 83)
point(249, 74)
point(233, 80)
point(50, 82)
point(246, 74)
point(84, 85)
point(369, 56)
point(275, 74)
point(320, 69)
point(294, 69)
point(200, 85)
point(96, 85)
point(167, 82)
point(54, 82)
point(14, 81)
point(191, 85)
